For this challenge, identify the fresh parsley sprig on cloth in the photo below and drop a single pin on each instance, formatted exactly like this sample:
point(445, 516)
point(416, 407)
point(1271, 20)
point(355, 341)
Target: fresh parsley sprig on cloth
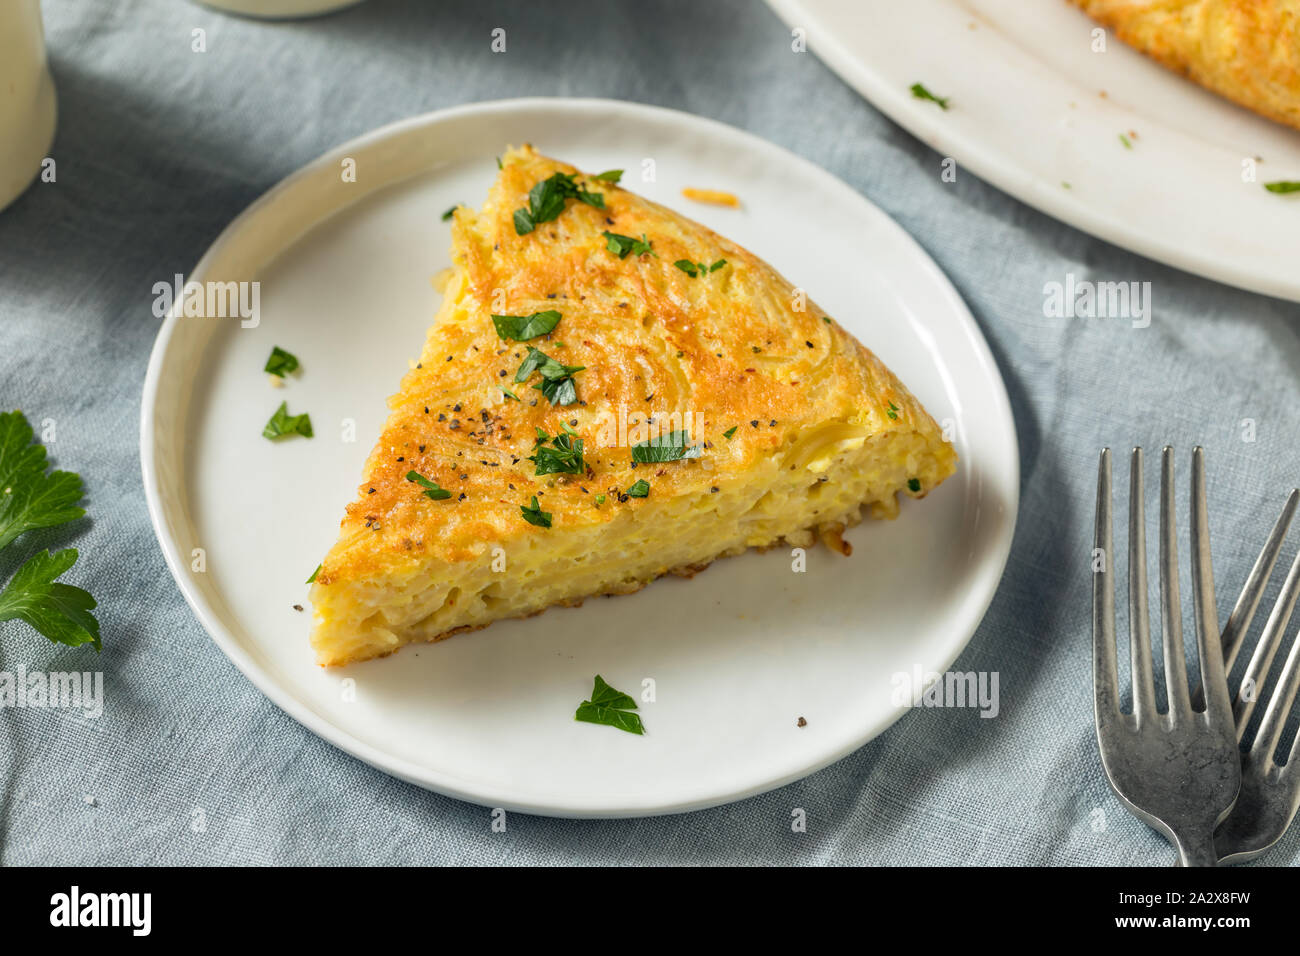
point(31, 498)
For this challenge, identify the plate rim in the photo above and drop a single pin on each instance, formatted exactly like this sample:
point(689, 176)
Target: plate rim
point(999, 168)
point(208, 617)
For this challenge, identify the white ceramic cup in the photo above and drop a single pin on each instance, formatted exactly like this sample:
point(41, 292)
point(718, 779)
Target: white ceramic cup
point(279, 9)
point(27, 102)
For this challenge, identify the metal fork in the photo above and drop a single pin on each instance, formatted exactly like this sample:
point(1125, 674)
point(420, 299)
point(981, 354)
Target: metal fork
point(1180, 771)
point(1270, 794)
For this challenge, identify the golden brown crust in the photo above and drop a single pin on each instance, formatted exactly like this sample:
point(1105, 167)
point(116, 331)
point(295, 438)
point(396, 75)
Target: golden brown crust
point(800, 425)
point(1245, 50)
point(650, 338)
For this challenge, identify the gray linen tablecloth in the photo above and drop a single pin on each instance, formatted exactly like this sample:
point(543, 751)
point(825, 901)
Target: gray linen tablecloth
point(158, 148)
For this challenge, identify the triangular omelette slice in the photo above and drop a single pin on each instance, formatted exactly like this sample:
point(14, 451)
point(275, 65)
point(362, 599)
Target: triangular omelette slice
point(610, 392)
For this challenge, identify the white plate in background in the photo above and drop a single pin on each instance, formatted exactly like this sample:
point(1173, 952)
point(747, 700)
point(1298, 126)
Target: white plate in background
point(737, 654)
point(1027, 114)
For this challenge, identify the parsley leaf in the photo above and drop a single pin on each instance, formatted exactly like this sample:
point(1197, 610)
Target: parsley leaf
point(914, 485)
point(606, 696)
point(546, 201)
point(557, 378)
point(622, 246)
point(59, 611)
point(30, 498)
point(450, 212)
point(609, 176)
point(1283, 186)
point(730, 432)
point(674, 446)
point(533, 514)
point(509, 394)
point(562, 457)
point(610, 707)
point(314, 573)
point(431, 488)
point(281, 363)
point(921, 93)
point(560, 391)
point(282, 424)
point(521, 328)
point(640, 489)
point(892, 411)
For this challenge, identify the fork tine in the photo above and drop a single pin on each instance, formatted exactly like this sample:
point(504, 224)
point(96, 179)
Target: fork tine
point(1234, 632)
point(1171, 619)
point(1209, 649)
point(1104, 677)
point(1278, 708)
point(1252, 684)
point(1144, 692)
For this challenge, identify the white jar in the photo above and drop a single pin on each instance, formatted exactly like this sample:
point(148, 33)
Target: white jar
point(279, 9)
point(27, 102)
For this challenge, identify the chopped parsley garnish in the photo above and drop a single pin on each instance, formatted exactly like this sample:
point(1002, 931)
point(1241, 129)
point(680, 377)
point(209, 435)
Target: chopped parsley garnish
point(921, 93)
point(546, 201)
point(1283, 186)
point(694, 269)
point(30, 499)
point(281, 363)
point(609, 176)
point(314, 573)
point(431, 488)
point(509, 394)
point(640, 489)
point(893, 411)
point(730, 432)
point(914, 484)
point(623, 246)
point(600, 500)
point(282, 424)
point(557, 378)
point(521, 328)
point(673, 446)
point(609, 707)
point(1125, 140)
point(563, 456)
point(533, 514)
point(451, 212)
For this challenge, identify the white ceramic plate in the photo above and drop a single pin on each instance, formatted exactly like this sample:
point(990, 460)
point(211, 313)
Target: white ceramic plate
point(1028, 115)
point(737, 655)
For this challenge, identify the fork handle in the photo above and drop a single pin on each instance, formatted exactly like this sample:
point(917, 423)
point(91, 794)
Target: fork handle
point(1196, 851)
